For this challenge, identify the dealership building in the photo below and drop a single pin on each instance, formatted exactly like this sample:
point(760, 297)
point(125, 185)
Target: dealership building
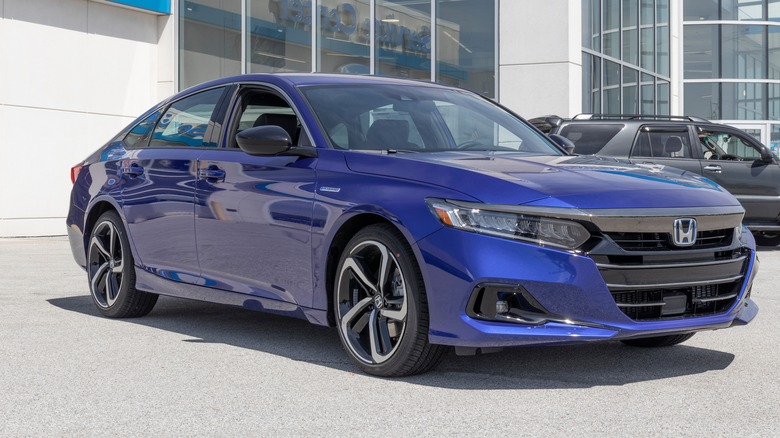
point(74, 72)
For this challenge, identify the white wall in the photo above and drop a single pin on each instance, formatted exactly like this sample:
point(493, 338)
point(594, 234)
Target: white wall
point(72, 74)
point(540, 57)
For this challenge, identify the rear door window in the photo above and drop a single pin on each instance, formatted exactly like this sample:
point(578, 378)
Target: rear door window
point(660, 142)
point(590, 138)
point(186, 122)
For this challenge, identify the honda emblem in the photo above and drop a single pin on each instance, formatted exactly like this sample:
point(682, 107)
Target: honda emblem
point(684, 232)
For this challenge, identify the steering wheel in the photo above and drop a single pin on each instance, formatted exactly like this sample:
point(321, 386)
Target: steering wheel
point(471, 145)
point(729, 157)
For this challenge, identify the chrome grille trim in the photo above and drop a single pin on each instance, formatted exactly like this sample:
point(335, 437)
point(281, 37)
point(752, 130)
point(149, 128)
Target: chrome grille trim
point(671, 265)
point(616, 287)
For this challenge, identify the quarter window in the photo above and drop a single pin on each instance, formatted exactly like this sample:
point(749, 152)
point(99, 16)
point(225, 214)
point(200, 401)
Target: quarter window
point(590, 139)
point(186, 121)
point(139, 135)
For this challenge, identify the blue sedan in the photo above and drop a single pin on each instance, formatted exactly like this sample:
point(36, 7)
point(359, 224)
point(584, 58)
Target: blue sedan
point(411, 216)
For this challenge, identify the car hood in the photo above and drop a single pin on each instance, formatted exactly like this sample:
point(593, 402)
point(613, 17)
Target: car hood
point(587, 182)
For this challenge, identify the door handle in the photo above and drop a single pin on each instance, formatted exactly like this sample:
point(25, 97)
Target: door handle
point(212, 174)
point(713, 168)
point(133, 170)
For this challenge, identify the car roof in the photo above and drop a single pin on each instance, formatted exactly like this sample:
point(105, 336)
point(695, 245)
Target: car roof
point(311, 79)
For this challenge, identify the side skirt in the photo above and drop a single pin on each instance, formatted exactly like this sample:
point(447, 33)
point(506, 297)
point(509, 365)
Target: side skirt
point(148, 282)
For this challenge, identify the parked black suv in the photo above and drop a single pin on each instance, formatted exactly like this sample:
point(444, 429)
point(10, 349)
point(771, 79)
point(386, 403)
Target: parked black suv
point(726, 155)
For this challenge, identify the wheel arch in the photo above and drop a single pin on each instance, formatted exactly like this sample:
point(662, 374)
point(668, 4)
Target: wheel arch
point(340, 239)
point(96, 209)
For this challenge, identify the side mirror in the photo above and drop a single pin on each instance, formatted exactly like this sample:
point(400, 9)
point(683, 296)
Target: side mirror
point(264, 140)
point(766, 155)
point(270, 140)
point(563, 142)
point(546, 124)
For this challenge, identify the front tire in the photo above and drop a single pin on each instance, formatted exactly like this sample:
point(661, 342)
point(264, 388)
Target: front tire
point(380, 305)
point(111, 271)
point(658, 341)
point(767, 239)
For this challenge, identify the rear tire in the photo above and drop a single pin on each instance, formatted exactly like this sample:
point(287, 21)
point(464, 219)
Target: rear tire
point(380, 305)
point(111, 271)
point(658, 341)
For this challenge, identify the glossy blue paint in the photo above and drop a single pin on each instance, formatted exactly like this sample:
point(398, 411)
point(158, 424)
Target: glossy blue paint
point(216, 224)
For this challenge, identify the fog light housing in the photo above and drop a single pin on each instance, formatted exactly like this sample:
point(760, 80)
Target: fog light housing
point(502, 307)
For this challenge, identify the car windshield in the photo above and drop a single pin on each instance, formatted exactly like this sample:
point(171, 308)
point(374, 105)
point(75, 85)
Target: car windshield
point(419, 119)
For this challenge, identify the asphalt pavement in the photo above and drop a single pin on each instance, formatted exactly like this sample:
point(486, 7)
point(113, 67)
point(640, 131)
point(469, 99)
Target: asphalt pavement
point(198, 369)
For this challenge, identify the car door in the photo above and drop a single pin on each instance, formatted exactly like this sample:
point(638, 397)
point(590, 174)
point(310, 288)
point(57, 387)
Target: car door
point(666, 146)
point(253, 216)
point(159, 188)
point(733, 159)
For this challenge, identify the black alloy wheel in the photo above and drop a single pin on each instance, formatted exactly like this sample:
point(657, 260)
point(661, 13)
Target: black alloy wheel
point(111, 273)
point(380, 305)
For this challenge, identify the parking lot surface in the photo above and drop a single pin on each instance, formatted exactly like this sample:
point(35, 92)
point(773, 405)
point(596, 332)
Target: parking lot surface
point(197, 369)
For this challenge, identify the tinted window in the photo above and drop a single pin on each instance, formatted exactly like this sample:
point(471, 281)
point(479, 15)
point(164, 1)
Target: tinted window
point(186, 121)
point(660, 144)
point(139, 135)
point(382, 117)
point(590, 139)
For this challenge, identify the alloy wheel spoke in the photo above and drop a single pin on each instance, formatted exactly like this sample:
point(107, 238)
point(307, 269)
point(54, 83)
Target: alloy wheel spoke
point(117, 266)
point(396, 314)
point(379, 337)
point(384, 267)
point(97, 276)
point(351, 318)
point(111, 237)
point(112, 288)
point(360, 274)
point(98, 244)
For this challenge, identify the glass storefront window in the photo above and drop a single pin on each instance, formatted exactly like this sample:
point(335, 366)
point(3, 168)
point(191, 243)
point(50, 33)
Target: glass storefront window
point(278, 36)
point(630, 32)
point(699, 10)
point(630, 91)
point(611, 88)
point(774, 12)
point(591, 27)
point(403, 39)
point(647, 89)
point(773, 43)
point(612, 28)
point(664, 98)
point(344, 36)
point(591, 89)
point(774, 102)
point(702, 57)
point(747, 10)
point(465, 45)
point(209, 40)
point(662, 37)
point(702, 100)
point(743, 51)
point(743, 101)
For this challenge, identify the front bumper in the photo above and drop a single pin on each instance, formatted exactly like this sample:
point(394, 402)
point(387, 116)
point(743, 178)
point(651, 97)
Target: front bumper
point(569, 286)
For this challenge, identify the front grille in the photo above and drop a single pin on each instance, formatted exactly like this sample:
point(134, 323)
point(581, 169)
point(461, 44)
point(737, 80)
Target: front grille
point(660, 281)
point(700, 300)
point(663, 241)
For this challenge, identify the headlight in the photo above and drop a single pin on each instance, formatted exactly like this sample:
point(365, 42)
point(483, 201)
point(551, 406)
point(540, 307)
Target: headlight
point(537, 229)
